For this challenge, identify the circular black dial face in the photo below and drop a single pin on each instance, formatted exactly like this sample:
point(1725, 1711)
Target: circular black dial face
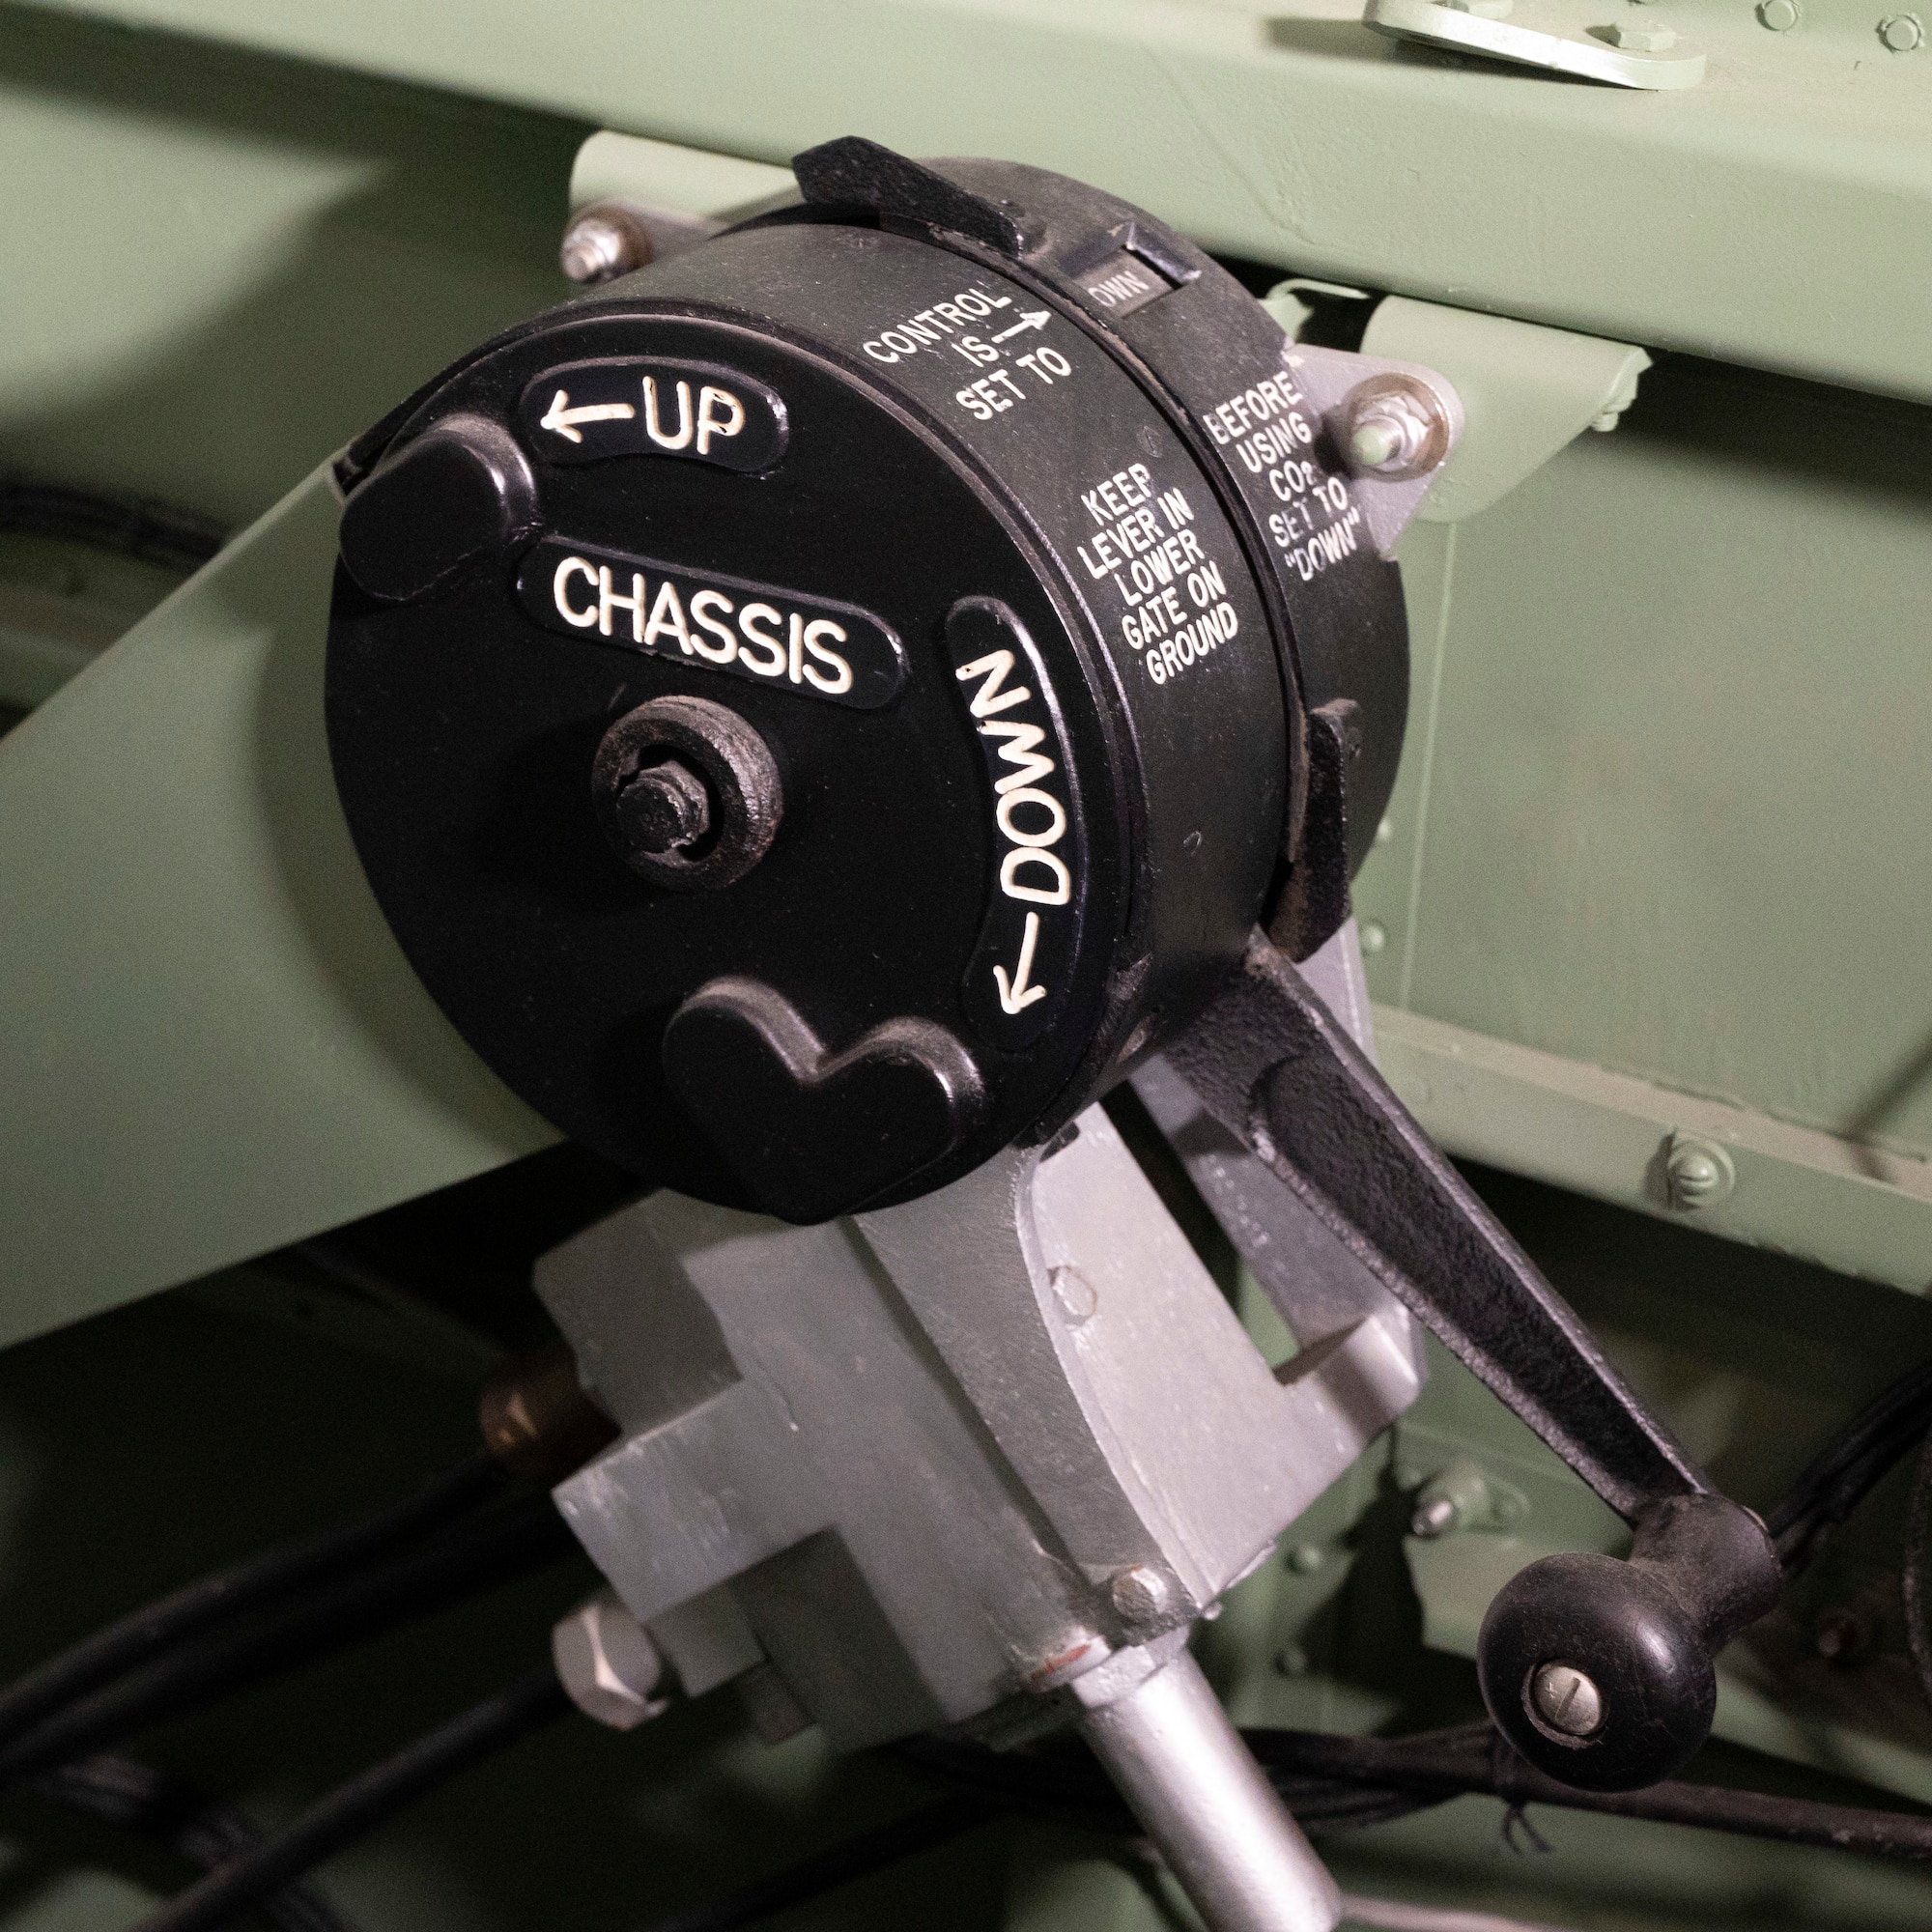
point(984, 778)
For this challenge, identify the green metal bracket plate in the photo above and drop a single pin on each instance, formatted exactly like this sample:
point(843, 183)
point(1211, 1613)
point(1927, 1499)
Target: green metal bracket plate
point(213, 1046)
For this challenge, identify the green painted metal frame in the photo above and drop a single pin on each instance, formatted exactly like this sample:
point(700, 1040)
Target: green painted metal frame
point(1775, 217)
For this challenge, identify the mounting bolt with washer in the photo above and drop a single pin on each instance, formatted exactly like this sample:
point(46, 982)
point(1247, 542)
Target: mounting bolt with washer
point(687, 792)
point(1394, 428)
point(604, 240)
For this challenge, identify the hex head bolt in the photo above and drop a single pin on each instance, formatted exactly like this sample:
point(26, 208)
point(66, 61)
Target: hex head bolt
point(687, 792)
point(608, 1664)
point(666, 807)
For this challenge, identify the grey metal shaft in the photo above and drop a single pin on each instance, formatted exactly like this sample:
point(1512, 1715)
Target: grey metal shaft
point(1227, 1837)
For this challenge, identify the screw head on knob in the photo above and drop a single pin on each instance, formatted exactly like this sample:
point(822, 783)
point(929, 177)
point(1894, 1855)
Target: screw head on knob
point(1596, 1672)
point(1565, 1699)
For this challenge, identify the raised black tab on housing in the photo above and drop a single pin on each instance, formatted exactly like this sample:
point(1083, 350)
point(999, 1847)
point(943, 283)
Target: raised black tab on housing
point(810, 645)
point(638, 406)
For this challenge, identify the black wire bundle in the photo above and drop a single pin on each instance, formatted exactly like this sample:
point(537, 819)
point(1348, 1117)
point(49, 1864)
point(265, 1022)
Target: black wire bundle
point(226, 1595)
point(204, 1831)
point(361, 1604)
point(267, 1615)
point(127, 525)
point(1839, 1478)
point(354, 1808)
point(1334, 1783)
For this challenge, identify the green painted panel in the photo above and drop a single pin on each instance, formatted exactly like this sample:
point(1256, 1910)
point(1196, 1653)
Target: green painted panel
point(214, 1045)
point(1670, 762)
point(1775, 215)
point(221, 268)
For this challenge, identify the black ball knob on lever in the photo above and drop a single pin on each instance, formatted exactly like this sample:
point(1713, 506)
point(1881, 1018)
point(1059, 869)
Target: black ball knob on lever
point(1599, 1672)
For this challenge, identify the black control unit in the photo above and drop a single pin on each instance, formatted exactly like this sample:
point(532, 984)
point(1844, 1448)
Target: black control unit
point(815, 710)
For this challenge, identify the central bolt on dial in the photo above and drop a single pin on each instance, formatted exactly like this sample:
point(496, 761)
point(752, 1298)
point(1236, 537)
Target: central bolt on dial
point(665, 808)
point(670, 774)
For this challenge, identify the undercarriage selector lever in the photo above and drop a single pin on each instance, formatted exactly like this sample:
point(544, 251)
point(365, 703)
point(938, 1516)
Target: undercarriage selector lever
point(820, 710)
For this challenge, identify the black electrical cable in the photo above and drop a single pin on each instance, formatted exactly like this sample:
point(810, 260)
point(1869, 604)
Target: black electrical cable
point(1474, 1758)
point(206, 1833)
point(366, 1802)
point(472, 1555)
point(1070, 1787)
point(228, 1594)
point(1339, 1783)
point(858, 1857)
point(1844, 1472)
point(127, 525)
point(1915, 1584)
point(1064, 1787)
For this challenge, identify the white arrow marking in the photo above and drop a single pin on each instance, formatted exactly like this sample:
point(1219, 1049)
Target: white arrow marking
point(1015, 995)
point(561, 415)
point(1037, 318)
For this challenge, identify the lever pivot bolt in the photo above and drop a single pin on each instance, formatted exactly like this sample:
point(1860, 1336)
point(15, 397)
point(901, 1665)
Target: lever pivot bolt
point(1566, 1700)
point(1437, 1517)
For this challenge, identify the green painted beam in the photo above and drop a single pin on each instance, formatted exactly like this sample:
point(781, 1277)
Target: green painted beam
point(1825, 1199)
point(213, 1046)
point(222, 267)
point(1776, 216)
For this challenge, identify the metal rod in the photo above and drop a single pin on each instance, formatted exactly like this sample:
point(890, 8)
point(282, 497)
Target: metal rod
point(1182, 1768)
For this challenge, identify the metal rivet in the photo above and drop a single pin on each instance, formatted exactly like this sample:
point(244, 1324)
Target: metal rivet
point(1779, 15)
point(1292, 1660)
point(1697, 1173)
point(1437, 1517)
point(1385, 832)
point(1140, 1594)
point(1374, 937)
point(1640, 36)
point(1842, 1636)
point(1305, 1558)
point(1077, 1297)
point(1901, 32)
point(1566, 1700)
